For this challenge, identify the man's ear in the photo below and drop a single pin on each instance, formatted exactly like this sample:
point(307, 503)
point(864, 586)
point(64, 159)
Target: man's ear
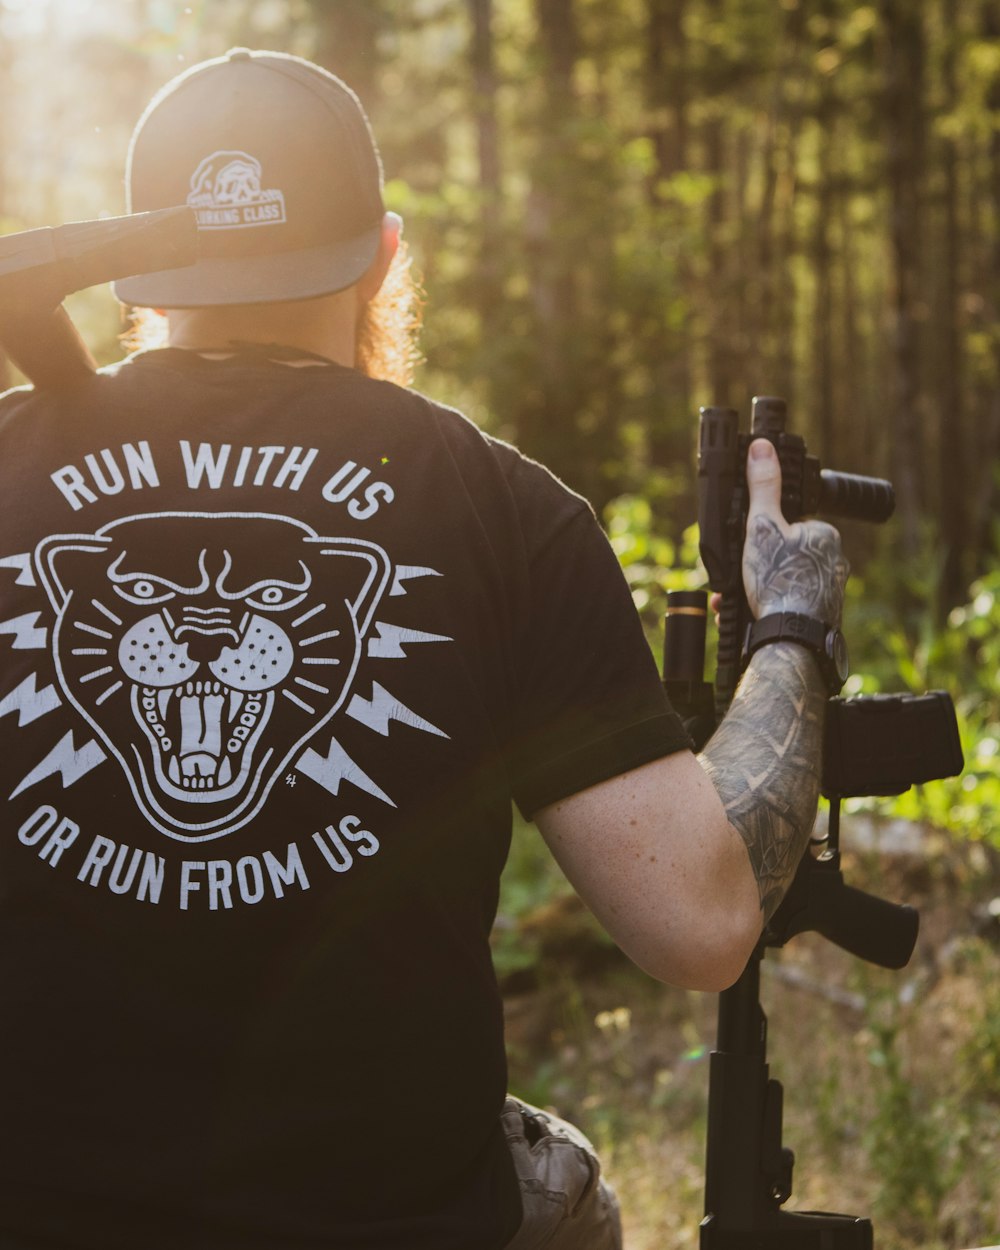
point(371, 281)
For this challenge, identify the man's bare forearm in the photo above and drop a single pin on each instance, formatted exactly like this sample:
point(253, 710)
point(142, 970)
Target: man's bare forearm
point(764, 760)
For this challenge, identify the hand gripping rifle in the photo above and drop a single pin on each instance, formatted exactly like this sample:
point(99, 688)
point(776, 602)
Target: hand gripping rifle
point(880, 745)
point(39, 268)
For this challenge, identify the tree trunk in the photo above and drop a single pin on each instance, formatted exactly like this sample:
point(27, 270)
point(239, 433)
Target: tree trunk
point(489, 284)
point(987, 490)
point(903, 111)
point(666, 85)
point(821, 404)
point(950, 405)
point(6, 374)
point(347, 43)
point(671, 423)
point(725, 388)
point(860, 442)
point(779, 245)
point(548, 422)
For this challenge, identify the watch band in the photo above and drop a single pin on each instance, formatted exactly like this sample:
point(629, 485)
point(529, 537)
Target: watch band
point(824, 642)
point(807, 631)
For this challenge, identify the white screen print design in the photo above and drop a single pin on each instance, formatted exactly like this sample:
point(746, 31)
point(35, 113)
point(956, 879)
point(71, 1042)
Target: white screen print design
point(227, 193)
point(232, 638)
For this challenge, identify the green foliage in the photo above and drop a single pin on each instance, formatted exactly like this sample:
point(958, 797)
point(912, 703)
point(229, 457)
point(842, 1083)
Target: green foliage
point(652, 563)
point(531, 880)
point(905, 650)
point(907, 1142)
point(979, 1055)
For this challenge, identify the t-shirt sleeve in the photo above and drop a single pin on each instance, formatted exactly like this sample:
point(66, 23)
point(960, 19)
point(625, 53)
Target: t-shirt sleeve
point(591, 704)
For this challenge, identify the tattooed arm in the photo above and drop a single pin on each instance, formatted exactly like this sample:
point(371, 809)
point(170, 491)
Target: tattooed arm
point(684, 860)
point(764, 761)
point(765, 758)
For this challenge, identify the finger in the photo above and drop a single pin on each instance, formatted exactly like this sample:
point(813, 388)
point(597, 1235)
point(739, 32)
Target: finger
point(764, 482)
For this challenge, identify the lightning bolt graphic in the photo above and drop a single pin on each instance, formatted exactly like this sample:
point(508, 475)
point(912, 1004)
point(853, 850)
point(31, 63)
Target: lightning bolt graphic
point(25, 577)
point(403, 571)
point(27, 636)
point(65, 759)
point(29, 702)
point(335, 767)
point(383, 707)
point(388, 644)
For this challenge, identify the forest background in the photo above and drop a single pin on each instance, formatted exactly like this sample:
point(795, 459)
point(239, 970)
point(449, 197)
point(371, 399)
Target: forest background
point(621, 210)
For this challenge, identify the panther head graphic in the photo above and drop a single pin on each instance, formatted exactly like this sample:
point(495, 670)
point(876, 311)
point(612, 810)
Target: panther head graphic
point(205, 648)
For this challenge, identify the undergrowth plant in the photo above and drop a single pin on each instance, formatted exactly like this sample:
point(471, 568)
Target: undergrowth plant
point(905, 1141)
point(908, 651)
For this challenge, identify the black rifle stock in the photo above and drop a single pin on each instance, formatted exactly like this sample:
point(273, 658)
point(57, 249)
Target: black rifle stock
point(39, 268)
point(879, 745)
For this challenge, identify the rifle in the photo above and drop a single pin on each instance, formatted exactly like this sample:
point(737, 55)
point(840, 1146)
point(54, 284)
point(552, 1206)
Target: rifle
point(878, 745)
point(39, 268)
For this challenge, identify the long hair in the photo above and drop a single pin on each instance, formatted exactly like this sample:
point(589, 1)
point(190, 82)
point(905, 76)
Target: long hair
point(386, 340)
point(386, 344)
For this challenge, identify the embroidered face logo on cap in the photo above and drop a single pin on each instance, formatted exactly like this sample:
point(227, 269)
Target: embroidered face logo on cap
point(227, 194)
point(218, 138)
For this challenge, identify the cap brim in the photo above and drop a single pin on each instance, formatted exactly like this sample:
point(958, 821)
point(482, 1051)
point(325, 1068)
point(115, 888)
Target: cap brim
point(304, 274)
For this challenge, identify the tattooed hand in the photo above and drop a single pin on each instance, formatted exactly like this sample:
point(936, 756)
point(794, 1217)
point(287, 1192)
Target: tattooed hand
point(765, 757)
point(788, 568)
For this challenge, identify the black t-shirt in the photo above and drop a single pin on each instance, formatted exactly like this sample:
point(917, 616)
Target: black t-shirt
point(279, 645)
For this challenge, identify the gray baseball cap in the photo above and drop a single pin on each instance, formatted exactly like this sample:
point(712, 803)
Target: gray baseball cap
point(277, 159)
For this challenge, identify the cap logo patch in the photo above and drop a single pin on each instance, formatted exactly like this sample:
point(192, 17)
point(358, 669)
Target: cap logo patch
point(226, 194)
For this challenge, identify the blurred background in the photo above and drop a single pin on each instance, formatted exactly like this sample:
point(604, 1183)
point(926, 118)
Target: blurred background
point(620, 210)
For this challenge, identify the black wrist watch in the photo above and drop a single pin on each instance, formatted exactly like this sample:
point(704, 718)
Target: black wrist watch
point(826, 643)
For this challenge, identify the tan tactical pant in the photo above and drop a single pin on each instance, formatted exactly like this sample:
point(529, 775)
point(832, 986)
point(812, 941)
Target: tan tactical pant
point(567, 1203)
